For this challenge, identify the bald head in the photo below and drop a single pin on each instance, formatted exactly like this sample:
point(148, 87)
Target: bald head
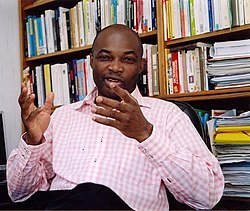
point(118, 29)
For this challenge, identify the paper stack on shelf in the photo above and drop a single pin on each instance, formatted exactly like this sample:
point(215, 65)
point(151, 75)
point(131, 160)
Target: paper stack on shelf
point(230, 138)
point(229, 65)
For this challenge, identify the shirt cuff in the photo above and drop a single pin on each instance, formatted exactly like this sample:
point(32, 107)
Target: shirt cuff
point(30, 153)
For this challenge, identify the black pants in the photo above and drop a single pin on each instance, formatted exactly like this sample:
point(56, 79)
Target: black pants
point(87, 196)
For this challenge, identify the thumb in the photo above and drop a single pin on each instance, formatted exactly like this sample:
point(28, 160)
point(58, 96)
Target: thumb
point(49, 102)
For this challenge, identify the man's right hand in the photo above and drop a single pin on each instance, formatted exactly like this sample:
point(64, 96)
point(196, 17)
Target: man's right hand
point(35, 120)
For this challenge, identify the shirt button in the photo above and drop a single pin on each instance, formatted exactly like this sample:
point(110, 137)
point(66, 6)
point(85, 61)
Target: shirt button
point(26, 150)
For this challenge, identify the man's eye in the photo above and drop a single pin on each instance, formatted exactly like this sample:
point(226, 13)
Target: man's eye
point(129, 59)
point(103, 58)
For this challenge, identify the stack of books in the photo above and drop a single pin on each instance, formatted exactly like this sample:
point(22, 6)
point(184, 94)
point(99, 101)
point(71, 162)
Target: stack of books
point(230, 137)
point(229, 65)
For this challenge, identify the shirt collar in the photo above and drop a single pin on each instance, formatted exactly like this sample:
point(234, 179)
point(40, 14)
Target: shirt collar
point(89, 99)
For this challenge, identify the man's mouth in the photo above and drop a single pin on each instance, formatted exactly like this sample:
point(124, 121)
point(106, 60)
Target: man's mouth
point(109, 80)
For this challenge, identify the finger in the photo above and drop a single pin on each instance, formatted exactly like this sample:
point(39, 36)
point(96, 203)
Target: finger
point(122, 93)
point(28, 103)
point(113, 114)
point(23, 94)
point(48, 103)
point(106, 121)
point(111, 104)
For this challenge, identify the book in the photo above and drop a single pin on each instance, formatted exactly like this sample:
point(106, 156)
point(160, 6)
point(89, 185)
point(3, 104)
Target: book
point(232, 138)
point(169, 72)
point(72, 84)
point(89, 75)
point(62, 27)
point(165, 20)
point(181, 71)
point(184, 71)
point(148, 56)
point(49, 25)
point(192, 17)
point(190, 70)
point(47, 79)
point(56, 87)
point(246, 11)
point(81, 24)
point(40, 84)
point(176, 19)
point(175, 72)
point(36, 37)
point(43, 29)
point(155, 72)
point(233, 128)
point(235, 13)
point(65, 84)
point(31, 36)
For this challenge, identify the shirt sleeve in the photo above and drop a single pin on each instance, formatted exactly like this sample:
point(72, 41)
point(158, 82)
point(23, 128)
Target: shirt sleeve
point(29, 169)
point(189, 170)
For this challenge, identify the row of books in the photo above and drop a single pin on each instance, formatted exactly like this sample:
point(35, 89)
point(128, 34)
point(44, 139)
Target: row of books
point(230, 139)
point(186, 68)
point(184, 18)
point(203, 66)
point(72, 81)
point(64, 28)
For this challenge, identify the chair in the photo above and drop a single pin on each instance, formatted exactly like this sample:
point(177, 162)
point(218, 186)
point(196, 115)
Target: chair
point(194, 117)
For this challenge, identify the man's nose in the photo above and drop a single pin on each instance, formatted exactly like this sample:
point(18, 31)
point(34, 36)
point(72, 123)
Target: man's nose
point(116, 66)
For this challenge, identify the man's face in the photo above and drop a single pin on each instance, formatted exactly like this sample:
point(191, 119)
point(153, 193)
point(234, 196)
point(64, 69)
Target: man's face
point(116, 58)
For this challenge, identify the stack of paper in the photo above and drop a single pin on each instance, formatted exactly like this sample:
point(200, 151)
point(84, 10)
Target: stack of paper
point(230, 139)
point(229, 65)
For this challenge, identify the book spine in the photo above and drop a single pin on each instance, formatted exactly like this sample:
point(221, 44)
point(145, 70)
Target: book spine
point(72, 85)
point(36, 37)
point(246, 11)
point(57, 37)
point(190, 70)
point(175, 72)
point(98, 23)
point(49, 15)
point(210, 15)
point(45, 50)
point(241, 12)
point(155, 75)
point(65, 84)
point(192, 17)
point(47, 79)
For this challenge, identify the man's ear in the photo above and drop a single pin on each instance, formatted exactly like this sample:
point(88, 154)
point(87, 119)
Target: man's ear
point(143, 62)
point(91, 60)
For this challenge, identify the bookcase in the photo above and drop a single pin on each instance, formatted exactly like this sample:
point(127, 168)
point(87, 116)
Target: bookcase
point(238, 98)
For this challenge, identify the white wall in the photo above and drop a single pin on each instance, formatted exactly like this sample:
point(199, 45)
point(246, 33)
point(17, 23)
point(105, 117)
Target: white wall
point(10, 71)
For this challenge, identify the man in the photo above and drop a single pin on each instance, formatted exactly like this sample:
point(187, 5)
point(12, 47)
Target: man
point(131, 146)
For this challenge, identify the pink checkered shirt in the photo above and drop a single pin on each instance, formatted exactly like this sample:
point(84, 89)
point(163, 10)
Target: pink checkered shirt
point(77, 150)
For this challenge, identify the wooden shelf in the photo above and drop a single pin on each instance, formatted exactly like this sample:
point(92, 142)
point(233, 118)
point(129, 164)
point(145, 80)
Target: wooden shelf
point(210, 95)
point(42, 4)
point(38, 4)
point(210, 36)
point(59, 53)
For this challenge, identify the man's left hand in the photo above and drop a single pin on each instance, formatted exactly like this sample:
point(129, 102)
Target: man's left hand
point(126, 116)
